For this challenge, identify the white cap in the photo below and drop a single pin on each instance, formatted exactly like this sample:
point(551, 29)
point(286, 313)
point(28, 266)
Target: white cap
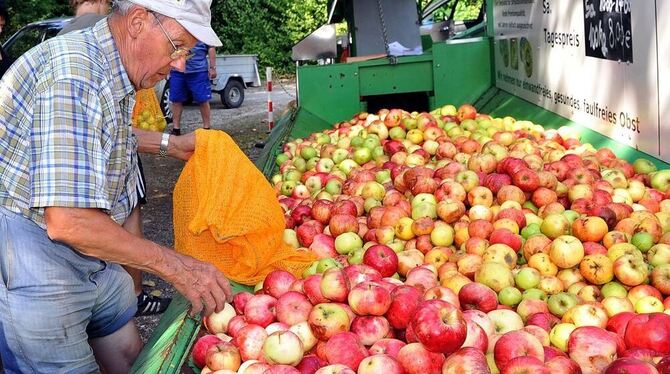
point(194, 15)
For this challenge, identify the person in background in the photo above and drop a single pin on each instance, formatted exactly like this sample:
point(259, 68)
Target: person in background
point(194, 82)
point(68, 182)
point(87, 14)
point(5, 63)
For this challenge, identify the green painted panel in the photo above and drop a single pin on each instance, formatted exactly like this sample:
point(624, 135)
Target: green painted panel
point(500, 103)
point(169, 346)
point(462, 71)
point(332, 91)
point(402, 77)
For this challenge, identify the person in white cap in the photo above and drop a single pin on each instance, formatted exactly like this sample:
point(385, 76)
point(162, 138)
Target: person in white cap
point(68, 181)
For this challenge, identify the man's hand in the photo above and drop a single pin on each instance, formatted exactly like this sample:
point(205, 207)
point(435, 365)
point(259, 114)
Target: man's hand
point(182, 146)
point(201, 283)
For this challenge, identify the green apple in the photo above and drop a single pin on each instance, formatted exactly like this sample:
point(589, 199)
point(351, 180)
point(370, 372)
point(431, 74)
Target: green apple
point(281, 158)
point(559, 335)
point(371, 142)
point(362, 155)
point(643, 241)
point(340, 155)
point(311, 163)
point(424, 198)
point(643, 166)
point(370, 203)
point(396, 245)
point(347, 242)
point(287, 187)
point(530, 230)
point(535, 294)
point(327, 263)
point(346, 166)
point(258, 286)
point(527, 278)
point(311, 270)
point(613, 288)
point(355, 257)
point(424, 210)
point(555, 225)
point(561, 302)
point(530, 205)
point(357, 141)
point(510, 296)
point(571, 215)
point(383, 176)
point(292, 175)
point(660, 180)
point(397, 133)
point(333, 187)
point(308, 152)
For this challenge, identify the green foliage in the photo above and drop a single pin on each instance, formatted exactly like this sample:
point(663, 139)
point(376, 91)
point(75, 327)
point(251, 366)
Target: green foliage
point(465, 10)
point(22, 12)
point(268, 28)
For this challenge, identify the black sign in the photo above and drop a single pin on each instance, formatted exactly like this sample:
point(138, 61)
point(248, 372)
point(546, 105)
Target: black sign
point(608, 30)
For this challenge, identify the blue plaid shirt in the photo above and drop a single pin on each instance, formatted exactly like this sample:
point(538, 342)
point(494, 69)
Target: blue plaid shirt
point(65, 139)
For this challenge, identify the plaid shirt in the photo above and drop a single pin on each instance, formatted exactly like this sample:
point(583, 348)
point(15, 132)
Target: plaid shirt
point(65, 139)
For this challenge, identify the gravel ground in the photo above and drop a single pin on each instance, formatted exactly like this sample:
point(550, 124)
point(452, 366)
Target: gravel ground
point(246, 124)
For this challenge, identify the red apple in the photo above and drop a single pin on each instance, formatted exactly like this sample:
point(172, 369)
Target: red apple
point(240, 300)
point(523, 365)
point(439, 326)
point(370, 329)
point(651, 331)
point(478, 296)
point(466, 360)
point(593, 348)
point(345, 348)
point(201, 347)
point(293, 307)
point(405, 300)
point(250, 341)
point(416, 359)
point(335, 285)
point(562, 365)
point(260, 310)
point(382, 258)
point(630, 365)
point(369, 298)
point(278, 282)
point(387, 346)
point(517, 344)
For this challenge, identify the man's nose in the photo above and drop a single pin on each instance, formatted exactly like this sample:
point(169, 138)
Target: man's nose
point(179, 64)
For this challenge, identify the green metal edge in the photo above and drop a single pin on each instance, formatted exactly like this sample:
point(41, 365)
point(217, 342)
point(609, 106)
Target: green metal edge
point(169, 346)
point(497, 102)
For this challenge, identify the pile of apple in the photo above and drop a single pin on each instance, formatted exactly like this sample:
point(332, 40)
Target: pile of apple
point(453, 242)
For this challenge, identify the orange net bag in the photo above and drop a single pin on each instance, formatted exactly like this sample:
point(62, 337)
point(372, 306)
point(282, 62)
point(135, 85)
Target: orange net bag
point(226, 213)
point(147, 114)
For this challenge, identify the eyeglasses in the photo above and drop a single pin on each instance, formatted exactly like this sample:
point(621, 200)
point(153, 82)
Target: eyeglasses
point(178, 53)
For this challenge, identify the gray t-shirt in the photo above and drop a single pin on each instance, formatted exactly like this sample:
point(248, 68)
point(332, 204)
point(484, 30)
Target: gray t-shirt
point(82, 22)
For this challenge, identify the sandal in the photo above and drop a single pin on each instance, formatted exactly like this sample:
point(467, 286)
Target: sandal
point(148, 304)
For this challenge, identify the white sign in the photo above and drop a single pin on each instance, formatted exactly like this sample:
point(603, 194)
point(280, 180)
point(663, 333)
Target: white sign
point(595, 62)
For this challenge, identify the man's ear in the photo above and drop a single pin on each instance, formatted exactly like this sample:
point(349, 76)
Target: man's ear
point(138, 20)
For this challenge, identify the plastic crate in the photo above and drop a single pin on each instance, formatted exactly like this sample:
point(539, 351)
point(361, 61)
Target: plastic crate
point(168, 349)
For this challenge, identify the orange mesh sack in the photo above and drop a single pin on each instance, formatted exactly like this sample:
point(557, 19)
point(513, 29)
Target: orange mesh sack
point(147, 114)
point(226, 213)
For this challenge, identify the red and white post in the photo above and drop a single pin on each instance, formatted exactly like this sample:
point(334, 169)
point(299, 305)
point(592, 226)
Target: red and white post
point(268, 75)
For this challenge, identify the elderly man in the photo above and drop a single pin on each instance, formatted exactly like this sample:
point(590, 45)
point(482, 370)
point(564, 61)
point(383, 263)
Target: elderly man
point(68, 180)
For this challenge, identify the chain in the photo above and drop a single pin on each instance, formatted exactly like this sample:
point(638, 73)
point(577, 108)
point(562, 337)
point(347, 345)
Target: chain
point(383, 24)
point(284, 89)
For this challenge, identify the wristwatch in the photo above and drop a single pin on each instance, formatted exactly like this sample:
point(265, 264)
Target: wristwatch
point(165, 140)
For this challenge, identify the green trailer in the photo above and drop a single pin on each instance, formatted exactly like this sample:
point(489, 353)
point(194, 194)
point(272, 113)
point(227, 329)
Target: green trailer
point(578, 64)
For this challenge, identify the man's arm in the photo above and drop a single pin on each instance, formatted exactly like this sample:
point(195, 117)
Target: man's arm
point(93, 233)
point(180, 147)
point(211, 55)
